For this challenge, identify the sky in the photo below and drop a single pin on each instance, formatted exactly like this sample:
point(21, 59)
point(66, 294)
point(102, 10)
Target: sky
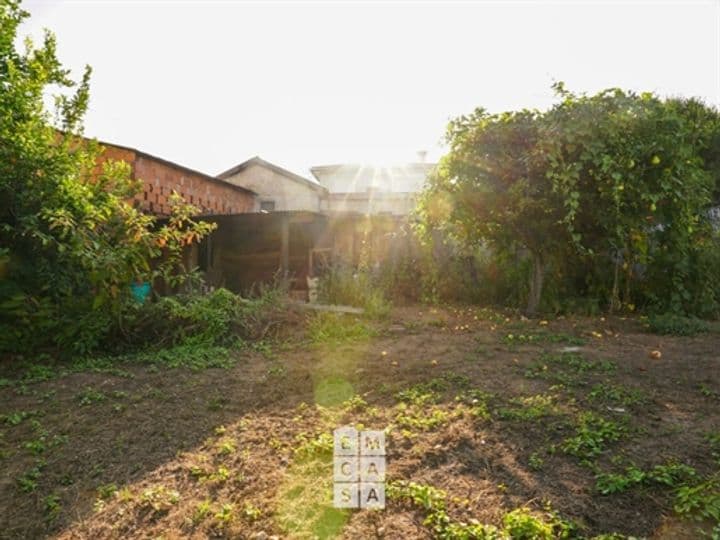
point(209, 84)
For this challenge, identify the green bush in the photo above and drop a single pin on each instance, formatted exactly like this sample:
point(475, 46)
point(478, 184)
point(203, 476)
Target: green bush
point(218, 318)
point(677, 325)
point(72, 243)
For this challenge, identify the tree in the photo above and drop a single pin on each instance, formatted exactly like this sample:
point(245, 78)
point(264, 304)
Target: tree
point(70, 244)
point(633, 172)
point(609, 190)
point(492, 188)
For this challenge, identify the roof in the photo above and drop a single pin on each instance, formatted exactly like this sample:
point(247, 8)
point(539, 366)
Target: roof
point(358, 178)
point(257, 160)
point(181, 167)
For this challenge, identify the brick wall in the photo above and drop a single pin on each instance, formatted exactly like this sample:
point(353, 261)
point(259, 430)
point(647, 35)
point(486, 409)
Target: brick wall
point(160, 178)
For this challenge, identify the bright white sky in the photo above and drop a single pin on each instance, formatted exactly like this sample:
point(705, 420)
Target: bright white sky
point(209, 84)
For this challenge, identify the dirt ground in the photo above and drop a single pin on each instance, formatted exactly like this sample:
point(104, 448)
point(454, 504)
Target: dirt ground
point(147, 452)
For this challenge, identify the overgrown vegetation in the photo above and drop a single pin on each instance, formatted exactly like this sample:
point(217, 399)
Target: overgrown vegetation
point(71, 243)
point(344, 285)
point(600, 202)
point(677, 325)
point(519, 524)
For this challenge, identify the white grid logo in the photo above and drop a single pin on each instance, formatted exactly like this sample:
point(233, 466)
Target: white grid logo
point(358, 468)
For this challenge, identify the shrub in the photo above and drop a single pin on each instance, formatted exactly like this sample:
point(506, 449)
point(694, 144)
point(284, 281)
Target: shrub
point(72, 244)
point(676, 325)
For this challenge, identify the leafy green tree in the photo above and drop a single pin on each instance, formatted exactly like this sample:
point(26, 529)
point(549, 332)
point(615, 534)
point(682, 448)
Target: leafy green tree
point(606, 193)
point(70, 243)
point(492, 189)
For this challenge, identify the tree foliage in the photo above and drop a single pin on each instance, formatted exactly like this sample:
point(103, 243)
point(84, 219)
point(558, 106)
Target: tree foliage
point(70, 243)
point(608, 193)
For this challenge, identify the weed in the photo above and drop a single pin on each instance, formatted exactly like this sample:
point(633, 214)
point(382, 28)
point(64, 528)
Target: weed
point(418, 395)
point(518, 524)
point(38, 373)
point(341, 284)
point(202, 510)
point(429, 391)
point(107, 491)
point(313, 447)
point(124, 495)
point(89, 396)
point(159, 498)
point(196, 357)
point(251, 512)
point(714, 440)
point(198, 473)
point(477, 401)
point(701, 501)
point(277, 370)
point(221, 475)
point(28, 482)
point(225, 515)
point(216, 403)
point(591, 435)
point(423, 418)
point(52, 506)
point(37, 446)
point(227, 447)
point(355, 403)
point(669, 475)
point(621, 395)
point(541, 337)
point(15, 418)
point(536, 462)
point(708, 392)
point(567, 367)
point(530, 408)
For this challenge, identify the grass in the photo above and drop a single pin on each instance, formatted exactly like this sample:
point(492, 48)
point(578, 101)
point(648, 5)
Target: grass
point(334, 328)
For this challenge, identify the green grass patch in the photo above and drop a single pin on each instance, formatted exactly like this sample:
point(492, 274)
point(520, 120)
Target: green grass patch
point(669, 324)
point(338, 328)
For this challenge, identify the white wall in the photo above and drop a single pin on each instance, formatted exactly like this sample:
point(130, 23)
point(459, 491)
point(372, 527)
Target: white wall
point(288, 194)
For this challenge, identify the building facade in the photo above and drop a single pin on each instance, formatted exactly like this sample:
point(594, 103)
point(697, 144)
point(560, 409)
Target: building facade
point(360, 189)
point(278, 189)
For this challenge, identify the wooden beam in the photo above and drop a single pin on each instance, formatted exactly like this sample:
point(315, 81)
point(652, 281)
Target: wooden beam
point(285, 245)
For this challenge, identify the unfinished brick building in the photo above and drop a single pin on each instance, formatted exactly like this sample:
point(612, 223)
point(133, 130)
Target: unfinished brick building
point(161, 177)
